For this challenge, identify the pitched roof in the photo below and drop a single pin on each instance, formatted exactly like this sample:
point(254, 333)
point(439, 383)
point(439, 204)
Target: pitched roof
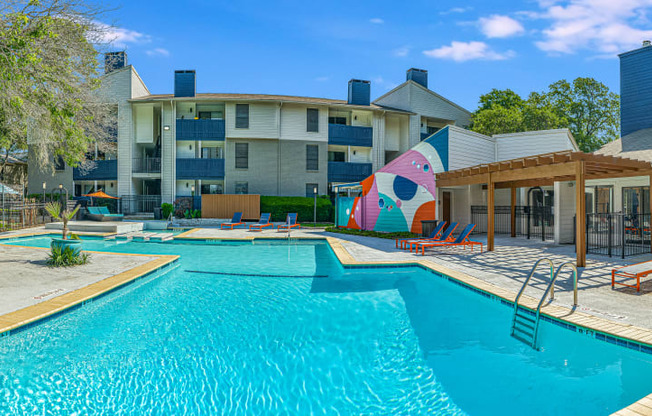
point(636, 145)
point(265, 97)
point(408, 82)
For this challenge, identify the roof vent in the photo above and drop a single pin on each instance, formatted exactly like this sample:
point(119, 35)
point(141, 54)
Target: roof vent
point(647, 43)
point(185, 83)
point(359, 92)
point(420, 76)
point(114, 60)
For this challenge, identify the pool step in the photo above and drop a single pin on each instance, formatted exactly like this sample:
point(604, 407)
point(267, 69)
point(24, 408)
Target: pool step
point(142, 236)
point(524, 326)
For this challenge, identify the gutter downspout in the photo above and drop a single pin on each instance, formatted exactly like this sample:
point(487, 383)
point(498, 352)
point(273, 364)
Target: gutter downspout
point(279, 176)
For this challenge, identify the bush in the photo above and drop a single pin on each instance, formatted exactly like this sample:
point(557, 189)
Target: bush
point(66, 257)
point(280, 206)
point(365, 233)
point(167, 210)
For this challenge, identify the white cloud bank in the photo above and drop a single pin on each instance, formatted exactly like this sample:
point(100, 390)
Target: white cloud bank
point(467, 51)
point(499, 26)
point(158, 52)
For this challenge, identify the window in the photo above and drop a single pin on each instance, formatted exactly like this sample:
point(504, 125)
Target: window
point(211, 189)
point(336, 157)
point(242, 188)
point(310, 189)
point(242, 155)
point(636, 201)
point(313, 120)
point(59, 164)
point(337, 120)
point(242, 116)
point(432, 130)
point(312, 157)
point(212, 153)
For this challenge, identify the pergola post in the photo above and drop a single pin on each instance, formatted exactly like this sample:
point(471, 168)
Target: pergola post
point(580, 214)
point(513, 211)
point(490, 214)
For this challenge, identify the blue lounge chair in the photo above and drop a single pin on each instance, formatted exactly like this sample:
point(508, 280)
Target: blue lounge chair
point(290, 222)
point(461, 240)
point(447, 235)
point(235, 221)
point(434, 234)
point(102, 214)
point(262, 223)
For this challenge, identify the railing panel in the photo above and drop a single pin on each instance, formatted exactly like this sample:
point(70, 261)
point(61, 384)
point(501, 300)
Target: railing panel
point(537, 223)
point(135, 204)
point(99, 170)
point(350, 135)
point(348, 172)
point(200, 129)
point(147, 165)
point(617, 234)
point(200, 168)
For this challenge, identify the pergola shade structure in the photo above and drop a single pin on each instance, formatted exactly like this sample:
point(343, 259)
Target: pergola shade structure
point(541, 170)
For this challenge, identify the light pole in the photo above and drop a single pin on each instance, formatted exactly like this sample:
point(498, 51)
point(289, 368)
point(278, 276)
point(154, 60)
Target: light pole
point(44, 186)
point(314, 218)
point(192, 192)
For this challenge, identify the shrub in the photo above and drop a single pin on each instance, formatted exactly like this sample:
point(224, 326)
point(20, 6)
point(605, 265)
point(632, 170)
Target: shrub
point(365, 233)
point(66, 257)
point(167, 210)
point(280, 206)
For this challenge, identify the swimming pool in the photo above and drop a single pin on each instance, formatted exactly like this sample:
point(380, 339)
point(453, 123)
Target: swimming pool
point(270, 327)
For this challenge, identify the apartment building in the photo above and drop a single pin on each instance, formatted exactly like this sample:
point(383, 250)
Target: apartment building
point(189, 143)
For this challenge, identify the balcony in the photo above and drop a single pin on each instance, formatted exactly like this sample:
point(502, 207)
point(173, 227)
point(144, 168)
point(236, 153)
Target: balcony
point(146, 165)
point(200, 130)
point(200, 168)
point(350, 135)
point(348, 172)
point(102, 170)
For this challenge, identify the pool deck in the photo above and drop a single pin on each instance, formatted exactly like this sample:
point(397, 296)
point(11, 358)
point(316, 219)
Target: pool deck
point(622, 311)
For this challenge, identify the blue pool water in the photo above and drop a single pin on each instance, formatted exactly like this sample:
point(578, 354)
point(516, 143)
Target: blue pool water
point(228, 331)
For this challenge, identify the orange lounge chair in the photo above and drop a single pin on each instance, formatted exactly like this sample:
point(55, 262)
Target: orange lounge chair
point(290, 222)
point(235, 221)
point(262, 223)
point(633, 271)
point(446, 236)
point(434, 234)
point(461, 240)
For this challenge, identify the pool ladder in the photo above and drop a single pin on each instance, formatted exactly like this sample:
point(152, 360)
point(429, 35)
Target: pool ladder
point(525, 323)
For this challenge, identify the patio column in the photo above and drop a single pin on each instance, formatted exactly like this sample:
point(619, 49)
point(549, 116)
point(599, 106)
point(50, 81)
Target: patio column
point(513, 211)
point(580, 214)
point(490, 214)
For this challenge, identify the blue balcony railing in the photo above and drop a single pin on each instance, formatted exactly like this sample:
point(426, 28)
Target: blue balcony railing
point(350, 135)
point(102, 170)
point(348, 172)
point(200, 168)
point(200, 130)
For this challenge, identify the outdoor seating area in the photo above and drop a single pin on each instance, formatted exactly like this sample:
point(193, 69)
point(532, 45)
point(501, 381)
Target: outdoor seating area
point(102, 214)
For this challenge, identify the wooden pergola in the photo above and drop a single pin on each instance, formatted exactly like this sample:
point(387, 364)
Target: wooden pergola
point(543, 170)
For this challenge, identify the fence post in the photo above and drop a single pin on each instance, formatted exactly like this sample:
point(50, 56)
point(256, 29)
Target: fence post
point(609, 233)
point(622, 235)
point(543, 223)
point(529, 209)
point(586, 233)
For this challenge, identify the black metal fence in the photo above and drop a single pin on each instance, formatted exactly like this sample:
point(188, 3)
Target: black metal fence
point(135, 204)
point(618, 234)
point(17, 214)
point(530, 222)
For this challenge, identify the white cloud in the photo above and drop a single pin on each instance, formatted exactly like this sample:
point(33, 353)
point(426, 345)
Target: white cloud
point(466, 51)
point(604, 26)
point(401, 52)
point(158, 52)
point(377, 21)
point(322, 79)
point(119, 36)
point(498, 26)
point(457, 10)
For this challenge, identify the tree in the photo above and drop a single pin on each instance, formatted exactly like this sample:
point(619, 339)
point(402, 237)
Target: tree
point(586, 107)
point(49, 73)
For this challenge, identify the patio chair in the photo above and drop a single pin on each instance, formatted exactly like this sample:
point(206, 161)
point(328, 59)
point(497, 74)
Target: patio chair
point(633, 271)
point(461, 240)
point(434, 234)
point(290, 222)
point(111, 217)
point(446, 236)
point(235, 221)
point(262, 223)
point(102, 214)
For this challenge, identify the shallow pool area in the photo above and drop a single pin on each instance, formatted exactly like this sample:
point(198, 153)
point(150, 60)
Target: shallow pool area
point(272, 326)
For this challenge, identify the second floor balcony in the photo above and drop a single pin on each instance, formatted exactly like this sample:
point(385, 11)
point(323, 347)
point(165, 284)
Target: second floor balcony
point(200, 168)
point(348, 171)
point(205, 129)
point(350, 135)
point(99, 170)
point(146, 165)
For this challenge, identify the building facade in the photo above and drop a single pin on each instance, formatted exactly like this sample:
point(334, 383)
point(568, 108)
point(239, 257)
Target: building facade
point(188, 143)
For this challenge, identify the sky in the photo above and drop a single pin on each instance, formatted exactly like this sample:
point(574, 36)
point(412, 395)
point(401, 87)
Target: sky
point(312, 48)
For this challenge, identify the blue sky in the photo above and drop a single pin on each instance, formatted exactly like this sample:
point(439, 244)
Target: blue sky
point(314, 48)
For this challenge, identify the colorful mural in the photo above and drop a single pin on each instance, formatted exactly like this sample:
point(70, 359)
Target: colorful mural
point(401, 194)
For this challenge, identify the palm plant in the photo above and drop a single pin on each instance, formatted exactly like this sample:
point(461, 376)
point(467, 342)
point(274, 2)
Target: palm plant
point(64, 215)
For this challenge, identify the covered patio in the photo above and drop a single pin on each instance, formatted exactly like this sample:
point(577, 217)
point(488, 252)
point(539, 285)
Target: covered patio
point(550, 169)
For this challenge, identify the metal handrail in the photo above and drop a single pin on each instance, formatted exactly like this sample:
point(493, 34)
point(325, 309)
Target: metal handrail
point(552, 268)
point(551, 285)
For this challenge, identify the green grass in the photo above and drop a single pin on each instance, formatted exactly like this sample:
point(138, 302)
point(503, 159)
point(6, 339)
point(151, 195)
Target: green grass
point(402, 234)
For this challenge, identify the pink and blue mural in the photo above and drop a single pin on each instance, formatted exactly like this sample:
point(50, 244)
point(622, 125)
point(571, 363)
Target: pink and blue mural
point(401, 194)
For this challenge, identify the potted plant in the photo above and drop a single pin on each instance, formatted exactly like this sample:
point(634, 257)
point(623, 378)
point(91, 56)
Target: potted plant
point(64, 215)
